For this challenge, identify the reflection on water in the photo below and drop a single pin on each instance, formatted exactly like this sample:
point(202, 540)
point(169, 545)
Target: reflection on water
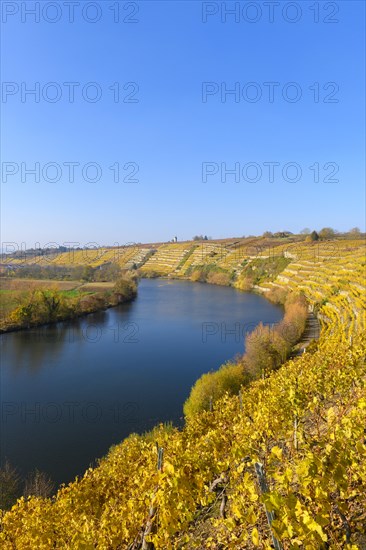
point(70, 391)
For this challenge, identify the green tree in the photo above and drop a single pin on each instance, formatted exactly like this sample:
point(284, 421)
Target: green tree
point(313, 236)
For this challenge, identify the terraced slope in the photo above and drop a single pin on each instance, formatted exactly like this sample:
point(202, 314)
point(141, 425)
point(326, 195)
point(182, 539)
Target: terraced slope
point(167, 258)
point(125, 256)
point(333, 279)
point(226, 253)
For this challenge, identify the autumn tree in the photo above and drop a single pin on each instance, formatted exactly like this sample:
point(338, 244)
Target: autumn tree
point(327, 233)
point(124, 289)
point(265, 350)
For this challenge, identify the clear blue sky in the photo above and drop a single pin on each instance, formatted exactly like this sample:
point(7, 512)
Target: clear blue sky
point(170, 132)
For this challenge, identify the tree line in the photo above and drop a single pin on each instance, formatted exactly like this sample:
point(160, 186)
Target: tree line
point(105, 273)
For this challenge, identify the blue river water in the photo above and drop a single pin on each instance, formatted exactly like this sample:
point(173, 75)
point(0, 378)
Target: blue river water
point(71, 390)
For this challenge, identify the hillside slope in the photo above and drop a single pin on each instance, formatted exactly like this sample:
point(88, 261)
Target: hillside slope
point(303, 427)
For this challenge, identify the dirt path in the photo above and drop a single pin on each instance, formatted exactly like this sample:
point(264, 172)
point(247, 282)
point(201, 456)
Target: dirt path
point(311, 332)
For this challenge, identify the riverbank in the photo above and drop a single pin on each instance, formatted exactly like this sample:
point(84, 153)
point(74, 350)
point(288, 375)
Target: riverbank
point(46, 305)
point(267, 348)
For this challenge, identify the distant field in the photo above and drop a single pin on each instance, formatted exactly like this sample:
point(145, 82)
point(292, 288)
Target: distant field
point(96, 287)
point(28, 284)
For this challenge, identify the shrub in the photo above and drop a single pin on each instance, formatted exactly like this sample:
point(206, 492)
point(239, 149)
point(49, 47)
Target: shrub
point(124, 289)
point(268, 347)
point(277, 295)
point(39, 306)
point(265, 350)
point(244, 282)
point(219, 278)
point(198, 276)
point(229, 378)
point(209, 273)
point(93, 302)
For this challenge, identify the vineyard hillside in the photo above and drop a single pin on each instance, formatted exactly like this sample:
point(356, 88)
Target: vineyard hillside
point(281, 465)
